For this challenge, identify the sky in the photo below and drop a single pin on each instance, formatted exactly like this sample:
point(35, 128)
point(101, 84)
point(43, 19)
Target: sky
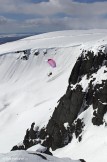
point(39, 16)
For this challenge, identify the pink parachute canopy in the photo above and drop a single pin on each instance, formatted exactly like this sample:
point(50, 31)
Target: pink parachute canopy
point(52, 63)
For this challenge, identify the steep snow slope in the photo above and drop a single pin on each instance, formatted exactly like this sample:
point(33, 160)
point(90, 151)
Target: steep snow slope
point(27, 93)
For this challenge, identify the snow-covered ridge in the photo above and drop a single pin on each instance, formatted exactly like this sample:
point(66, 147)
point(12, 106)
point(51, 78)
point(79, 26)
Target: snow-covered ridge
point(57, 39)
point(31, 156)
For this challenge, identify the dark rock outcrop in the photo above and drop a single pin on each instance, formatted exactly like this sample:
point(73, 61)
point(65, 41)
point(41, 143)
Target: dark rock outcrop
point(30, 139)
point(21, 147)
point(82, 160)
point(76, 100)
point(26, 54)
point(36, 53)
point(99, 103)
point(66, 112)
point(24, 57)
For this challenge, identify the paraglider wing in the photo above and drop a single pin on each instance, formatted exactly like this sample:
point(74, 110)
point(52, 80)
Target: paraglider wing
point(52, 63)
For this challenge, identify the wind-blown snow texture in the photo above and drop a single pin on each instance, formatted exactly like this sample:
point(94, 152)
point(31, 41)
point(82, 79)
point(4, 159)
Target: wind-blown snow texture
point(31, 156)
point(29, 95)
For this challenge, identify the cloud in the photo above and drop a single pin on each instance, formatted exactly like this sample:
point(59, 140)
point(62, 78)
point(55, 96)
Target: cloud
point(53, 7)
point(65, 23)
point(89, 1)
point(5, 21)
point(53, 15)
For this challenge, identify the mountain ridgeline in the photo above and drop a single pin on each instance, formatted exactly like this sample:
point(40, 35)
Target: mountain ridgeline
point(87, 88)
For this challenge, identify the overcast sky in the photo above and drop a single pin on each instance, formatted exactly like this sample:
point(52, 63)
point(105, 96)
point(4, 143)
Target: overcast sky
point(28, 16)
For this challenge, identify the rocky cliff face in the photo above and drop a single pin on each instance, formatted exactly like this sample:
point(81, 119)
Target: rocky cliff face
point(87, 87)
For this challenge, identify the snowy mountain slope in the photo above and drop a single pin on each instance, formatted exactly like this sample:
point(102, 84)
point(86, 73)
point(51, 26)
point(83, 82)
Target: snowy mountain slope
point(25, 88)
point(31, 156)
point(29, 95)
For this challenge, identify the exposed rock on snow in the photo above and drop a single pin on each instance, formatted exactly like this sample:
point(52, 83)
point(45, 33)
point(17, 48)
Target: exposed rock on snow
point(77, 99)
